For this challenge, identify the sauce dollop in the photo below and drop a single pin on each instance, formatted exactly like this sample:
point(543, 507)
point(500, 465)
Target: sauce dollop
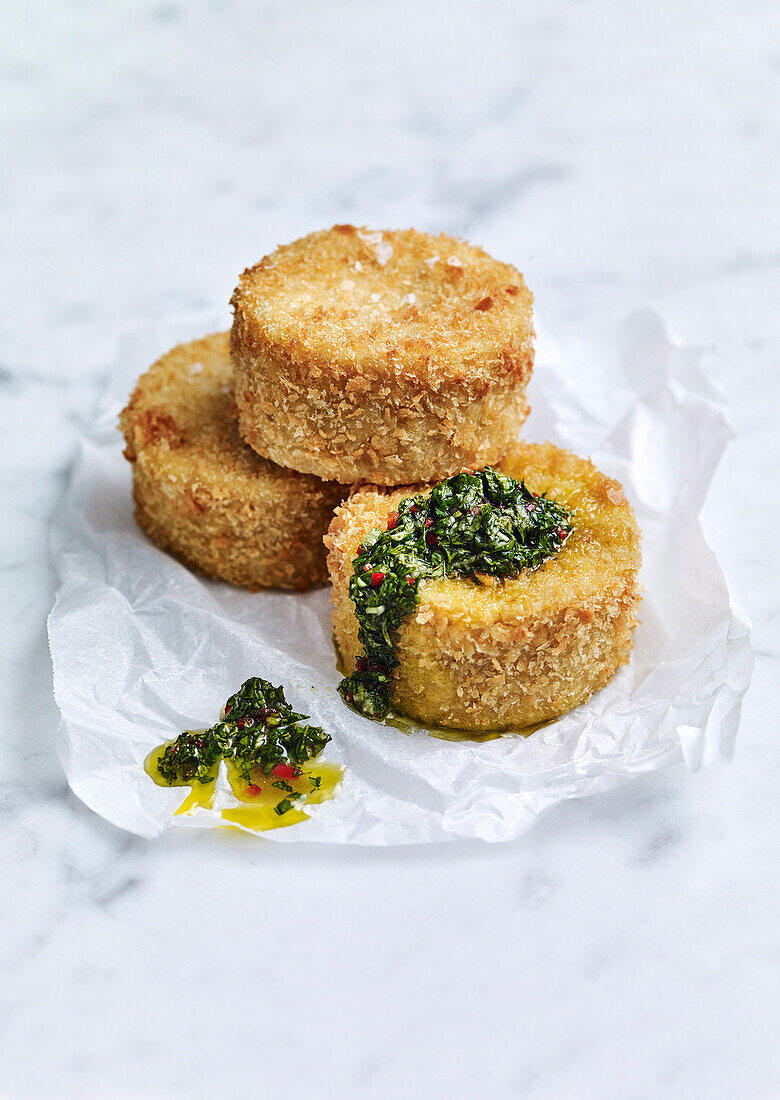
point(269, 754)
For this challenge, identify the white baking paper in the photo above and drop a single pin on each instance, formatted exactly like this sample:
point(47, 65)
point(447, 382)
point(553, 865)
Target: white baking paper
point(143, 649)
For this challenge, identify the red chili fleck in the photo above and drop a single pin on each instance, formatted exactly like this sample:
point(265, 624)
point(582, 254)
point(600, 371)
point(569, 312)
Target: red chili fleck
point(253, 789)
point(392, 521)
point(360, 664)
point(286, 771)
point(377, 578)
point(366, 568)
point(227, 710)
point(562, 533)
point(350, 697)
point(414, 510)
point(430, 538)
point(429, 522)
point(533, 494)
point(410, 581)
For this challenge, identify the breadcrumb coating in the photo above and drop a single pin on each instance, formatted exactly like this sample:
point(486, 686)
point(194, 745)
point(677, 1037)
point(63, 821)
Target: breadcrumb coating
point(206, 497)
point(388, 356)
point(507, 654)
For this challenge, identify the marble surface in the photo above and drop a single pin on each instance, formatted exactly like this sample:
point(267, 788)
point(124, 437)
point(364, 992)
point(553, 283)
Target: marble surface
point(620, 155)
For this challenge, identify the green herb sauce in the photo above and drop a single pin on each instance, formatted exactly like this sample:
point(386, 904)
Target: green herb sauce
point(471, 524)
point(259, 733)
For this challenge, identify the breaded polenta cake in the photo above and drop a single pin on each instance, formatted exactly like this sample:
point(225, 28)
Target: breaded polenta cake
point(206, 497)
point(389, 356)
point(477, 650)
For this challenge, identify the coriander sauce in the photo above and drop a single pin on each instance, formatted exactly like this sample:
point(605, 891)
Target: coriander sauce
point(472, 525)
point(272, 761)
point(201, 792)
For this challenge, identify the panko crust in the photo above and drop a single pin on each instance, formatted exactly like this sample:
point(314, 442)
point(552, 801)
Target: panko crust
point(506, 655)
point(389, 356)
point(206, 497)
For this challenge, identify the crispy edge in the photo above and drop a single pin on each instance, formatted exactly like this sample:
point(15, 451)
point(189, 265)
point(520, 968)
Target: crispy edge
point(228, 514)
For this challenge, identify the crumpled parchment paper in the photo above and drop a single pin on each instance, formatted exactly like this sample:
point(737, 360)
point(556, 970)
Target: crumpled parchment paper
point(143, 649)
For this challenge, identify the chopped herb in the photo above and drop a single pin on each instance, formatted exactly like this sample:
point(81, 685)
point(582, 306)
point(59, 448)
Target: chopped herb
point(280, 783)
point(283, 806)
point(315, 781)
point(470, 524)
point(259, 730)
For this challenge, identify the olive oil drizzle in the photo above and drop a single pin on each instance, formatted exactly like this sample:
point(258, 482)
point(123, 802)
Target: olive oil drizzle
point(445, 733)
point(316, 784)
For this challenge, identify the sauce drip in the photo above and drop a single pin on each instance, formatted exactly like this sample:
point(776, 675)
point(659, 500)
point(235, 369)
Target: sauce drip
point(201, 793)
point(259, 798)
point(444, 733)
point(258, 809)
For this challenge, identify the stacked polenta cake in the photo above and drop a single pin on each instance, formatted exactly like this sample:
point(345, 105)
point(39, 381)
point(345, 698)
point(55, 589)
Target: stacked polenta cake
point(368, 402)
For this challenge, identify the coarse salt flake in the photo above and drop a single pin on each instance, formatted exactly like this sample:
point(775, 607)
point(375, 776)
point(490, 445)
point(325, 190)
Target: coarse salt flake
point(383, 250)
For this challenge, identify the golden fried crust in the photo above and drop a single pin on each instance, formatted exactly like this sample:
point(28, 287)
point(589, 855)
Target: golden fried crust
point(203, 495)
point(388, 356)
point(504, 655)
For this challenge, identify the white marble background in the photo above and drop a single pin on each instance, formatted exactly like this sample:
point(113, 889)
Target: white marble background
point(620, 154)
